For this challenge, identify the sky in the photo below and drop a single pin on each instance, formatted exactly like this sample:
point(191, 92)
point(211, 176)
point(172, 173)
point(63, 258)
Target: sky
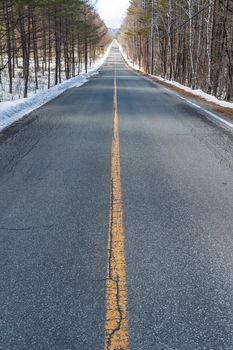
point(112, 11)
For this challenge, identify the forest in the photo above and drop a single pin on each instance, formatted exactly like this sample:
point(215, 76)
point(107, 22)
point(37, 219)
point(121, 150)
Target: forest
point(188, 41)
point(43, 42)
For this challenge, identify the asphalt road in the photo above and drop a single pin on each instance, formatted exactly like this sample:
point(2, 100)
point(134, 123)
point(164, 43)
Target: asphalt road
point(177, 185)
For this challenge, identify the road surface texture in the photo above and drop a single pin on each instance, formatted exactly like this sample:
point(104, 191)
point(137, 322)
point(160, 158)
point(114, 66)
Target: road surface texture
point(56, 242)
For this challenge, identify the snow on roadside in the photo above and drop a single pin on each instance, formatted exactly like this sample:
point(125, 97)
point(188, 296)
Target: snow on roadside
point(12, 111)
point(198, 92)
point(129, 62)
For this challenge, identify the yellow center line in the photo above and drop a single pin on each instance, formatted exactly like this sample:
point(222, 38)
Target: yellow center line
point(116, 325)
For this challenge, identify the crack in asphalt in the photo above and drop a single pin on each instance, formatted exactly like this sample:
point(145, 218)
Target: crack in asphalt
point(116, 316)
point(24, 155)
point(110, 273)
point(29, 228)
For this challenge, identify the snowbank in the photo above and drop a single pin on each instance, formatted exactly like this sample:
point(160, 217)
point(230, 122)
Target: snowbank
point(198, 92)
point(129, 62)
point(12, 111)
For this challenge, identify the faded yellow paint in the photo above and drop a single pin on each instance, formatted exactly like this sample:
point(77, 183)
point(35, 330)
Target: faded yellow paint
point(116, 326)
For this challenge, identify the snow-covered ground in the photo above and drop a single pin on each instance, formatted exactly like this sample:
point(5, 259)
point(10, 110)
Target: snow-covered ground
point(128, 61)
point(11, 111)
point(198, 92)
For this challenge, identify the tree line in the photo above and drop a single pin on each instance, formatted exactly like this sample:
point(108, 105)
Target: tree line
point(48, 38)
point(191, 42)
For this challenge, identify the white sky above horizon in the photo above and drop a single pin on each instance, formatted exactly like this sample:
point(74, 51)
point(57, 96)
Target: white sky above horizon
point(112, 11)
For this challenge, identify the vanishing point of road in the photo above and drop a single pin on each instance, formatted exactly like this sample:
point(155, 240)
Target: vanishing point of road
point(116, 222)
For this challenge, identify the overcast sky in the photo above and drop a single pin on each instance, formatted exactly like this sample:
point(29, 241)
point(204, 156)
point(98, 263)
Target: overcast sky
point(113, 11)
